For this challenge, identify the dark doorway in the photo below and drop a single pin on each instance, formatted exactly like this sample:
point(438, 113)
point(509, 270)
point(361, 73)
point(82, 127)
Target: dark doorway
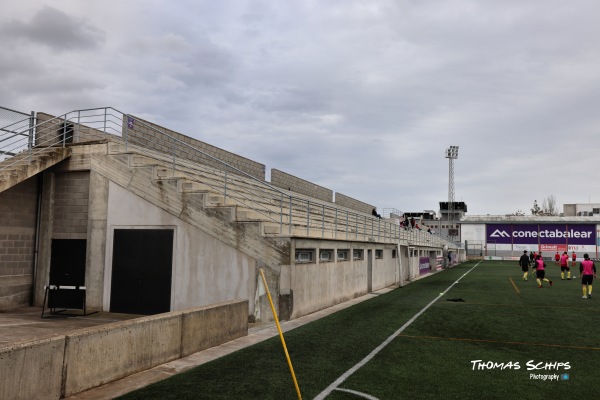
point(141, 271)
point(67, 262)
point(67, 268)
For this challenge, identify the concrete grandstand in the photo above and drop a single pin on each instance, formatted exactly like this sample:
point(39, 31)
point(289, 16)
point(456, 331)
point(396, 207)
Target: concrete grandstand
point(102, 211)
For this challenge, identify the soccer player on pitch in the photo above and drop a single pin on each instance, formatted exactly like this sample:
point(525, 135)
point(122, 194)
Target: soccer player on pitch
point(557, 258)
point(573, 259)
point(540, 272)
point(564, 266)
point(524, 263)
point(587, 269)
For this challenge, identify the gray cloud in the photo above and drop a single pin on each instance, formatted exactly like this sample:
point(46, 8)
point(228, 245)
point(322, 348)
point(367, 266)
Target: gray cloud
point(360, 97)
point(57, 30)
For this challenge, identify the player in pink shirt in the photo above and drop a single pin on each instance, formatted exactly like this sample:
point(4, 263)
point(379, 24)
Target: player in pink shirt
point(564, 266)
point(540, 272)
point(587, 269)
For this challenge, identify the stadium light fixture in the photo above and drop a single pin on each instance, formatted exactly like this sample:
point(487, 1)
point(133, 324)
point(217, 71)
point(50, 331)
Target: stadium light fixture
point(452, 152)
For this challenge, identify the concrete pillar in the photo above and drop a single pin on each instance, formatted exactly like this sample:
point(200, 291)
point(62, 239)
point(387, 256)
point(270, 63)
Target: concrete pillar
point(96, 241)
point(45, 238)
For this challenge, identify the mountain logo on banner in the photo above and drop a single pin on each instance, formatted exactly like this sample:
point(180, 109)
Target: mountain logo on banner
point(499, 233)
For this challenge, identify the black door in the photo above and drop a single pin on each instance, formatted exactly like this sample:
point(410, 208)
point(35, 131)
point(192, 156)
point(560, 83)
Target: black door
point(67, 262)
point(141, 271)
point(67, 268)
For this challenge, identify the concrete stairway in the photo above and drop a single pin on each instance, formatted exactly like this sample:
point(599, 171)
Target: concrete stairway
point(25, 164)
point(238, 200)
point(257, 201)
point(201, 207)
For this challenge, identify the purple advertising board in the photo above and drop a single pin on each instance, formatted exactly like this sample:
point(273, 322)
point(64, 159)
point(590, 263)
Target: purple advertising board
point(424, 265)
point(499, 233)
point(575, 234)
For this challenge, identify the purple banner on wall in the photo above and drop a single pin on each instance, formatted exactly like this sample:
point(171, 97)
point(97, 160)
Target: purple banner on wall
point(424, 265)
point(541, 234)
point(499, 233)
point(525, 234)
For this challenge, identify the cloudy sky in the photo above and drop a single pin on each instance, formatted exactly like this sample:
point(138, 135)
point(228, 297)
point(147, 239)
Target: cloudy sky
point(362, 97)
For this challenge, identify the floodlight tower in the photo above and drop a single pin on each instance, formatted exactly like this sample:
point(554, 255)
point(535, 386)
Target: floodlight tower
point(451, 155)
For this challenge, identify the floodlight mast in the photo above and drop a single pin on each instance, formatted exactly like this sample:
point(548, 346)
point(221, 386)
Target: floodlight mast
point(451, 155)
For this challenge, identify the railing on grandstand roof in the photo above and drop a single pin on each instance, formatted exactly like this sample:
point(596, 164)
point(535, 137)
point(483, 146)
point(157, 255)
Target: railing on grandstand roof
point(14, 124)
point(20, 141)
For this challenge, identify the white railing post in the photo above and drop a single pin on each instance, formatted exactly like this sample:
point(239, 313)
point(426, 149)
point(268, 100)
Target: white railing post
point(335, 224)
point(347, 223)
point(308, 218)
point(281, 214)
point(323, 223)
point(290, 226)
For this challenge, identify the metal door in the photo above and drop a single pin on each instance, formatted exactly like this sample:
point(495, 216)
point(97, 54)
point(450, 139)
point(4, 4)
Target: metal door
point(141, 271)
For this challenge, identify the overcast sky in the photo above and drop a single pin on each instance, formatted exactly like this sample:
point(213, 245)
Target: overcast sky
point(361, 97)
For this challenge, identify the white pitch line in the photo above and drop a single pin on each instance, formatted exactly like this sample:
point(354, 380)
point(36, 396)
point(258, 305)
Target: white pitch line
point(368, 358)
point(359, 394)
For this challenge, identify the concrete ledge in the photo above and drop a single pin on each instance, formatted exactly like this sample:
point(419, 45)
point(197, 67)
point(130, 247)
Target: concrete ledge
point(204, 328)
point(32, 370)
point(106, 353)
point(66, 365)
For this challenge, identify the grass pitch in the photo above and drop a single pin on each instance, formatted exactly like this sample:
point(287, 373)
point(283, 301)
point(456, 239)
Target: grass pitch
point(499, 343)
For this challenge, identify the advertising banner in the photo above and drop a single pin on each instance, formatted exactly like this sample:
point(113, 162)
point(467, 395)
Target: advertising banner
point(526, 234)
point(553, 248)
point(499, 233)
point(423, 265)
point(547, 234)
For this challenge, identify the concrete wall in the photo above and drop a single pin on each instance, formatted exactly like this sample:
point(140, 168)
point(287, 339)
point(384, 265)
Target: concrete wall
point(48, 130)
point(385, 270)
point(298, 185)
point(109, 352)
point(155, 137)
point(32, 370)
point(205, 270)
point(204, 328)
point(65, 365)
point(318, 285)
point(70, 205)
point(349, 202)
point(18, 209)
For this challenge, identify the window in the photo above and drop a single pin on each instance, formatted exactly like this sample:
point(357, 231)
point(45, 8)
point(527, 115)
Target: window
point(304, 255)
point(357, 254)
point(325, 255)
point(342, 255)
point(393, 253)
point(378, 254)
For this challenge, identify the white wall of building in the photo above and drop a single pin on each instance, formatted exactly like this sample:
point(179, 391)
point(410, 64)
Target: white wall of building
point(205, 270)
point(473, 233)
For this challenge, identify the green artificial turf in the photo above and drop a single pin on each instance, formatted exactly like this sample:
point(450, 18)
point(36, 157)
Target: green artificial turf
point(500, 321)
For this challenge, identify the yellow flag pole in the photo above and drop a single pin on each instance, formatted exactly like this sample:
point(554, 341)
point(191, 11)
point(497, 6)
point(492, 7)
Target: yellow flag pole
point(287, 356)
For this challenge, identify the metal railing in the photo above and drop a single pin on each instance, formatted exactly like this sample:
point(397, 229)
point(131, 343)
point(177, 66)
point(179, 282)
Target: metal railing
point(293, 214)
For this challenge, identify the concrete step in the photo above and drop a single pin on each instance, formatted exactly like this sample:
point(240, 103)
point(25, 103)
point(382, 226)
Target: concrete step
point(23, 166)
